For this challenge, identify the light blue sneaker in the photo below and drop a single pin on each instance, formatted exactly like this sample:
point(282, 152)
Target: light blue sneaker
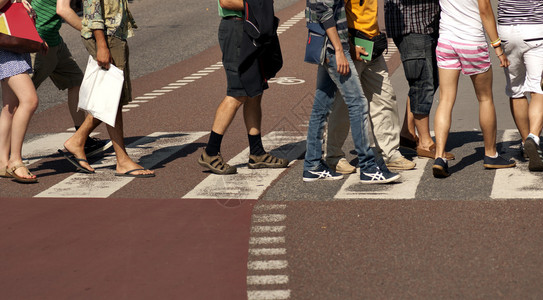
point(322, 172)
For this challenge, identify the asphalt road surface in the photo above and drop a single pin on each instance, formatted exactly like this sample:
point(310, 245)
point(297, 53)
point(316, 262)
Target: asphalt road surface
point(259, 234)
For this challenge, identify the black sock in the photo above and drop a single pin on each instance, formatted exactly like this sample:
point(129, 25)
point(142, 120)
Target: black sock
point(255, 145)
point(214, 144)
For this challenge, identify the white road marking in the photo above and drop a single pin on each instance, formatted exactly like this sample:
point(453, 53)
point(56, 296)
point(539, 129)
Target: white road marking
point(517, 182)
point(267, 265)
point(268, 207)
point(267, 229)
point(406, 189)
point(269, 218)
point(267, 279)
point(148, 151)
point(249, 183)
point(267, 240)
point(268, 295)
point(45, 145)
point(145, 97)
point(267, 251)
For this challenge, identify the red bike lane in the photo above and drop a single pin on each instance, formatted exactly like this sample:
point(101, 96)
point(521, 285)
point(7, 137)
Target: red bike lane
point(144, 241)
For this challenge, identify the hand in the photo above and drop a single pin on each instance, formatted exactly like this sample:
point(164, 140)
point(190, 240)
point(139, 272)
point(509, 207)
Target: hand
point(504, 62)
point(342, 63)
point(360, 51)
point(29, 8)
point(103, 57)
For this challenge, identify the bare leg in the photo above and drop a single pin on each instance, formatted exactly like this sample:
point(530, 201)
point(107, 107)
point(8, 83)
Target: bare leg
point(76, 143)
point(422, 123)
point(536, 114)
point(448, 85)
point(519, 110)
point(226, 112)
point(73, 98)
point(487, 112)
point(408, 128)
point(20, 101)
point(124, 162)
point(252, 114)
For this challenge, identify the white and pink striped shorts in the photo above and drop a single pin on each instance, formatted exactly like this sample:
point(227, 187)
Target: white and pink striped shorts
point(471, 58)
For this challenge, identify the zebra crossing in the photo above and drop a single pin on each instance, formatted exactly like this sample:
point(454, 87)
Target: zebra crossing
point(151, 150)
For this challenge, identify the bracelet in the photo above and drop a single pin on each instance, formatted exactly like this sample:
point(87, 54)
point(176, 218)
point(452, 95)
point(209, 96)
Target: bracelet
point(496, 43)
point(498, 55)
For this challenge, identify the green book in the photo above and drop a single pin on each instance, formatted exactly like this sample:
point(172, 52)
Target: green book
point(367, 44)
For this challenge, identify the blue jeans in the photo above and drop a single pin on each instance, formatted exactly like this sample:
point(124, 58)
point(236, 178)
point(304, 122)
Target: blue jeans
point(328, 81)
point(418, 53)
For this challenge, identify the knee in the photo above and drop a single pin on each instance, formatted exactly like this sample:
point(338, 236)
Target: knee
point(31, 103)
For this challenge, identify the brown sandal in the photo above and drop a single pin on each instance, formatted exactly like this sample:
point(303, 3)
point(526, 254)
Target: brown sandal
point(266, 161)
point(11, 171)
point(4, 173)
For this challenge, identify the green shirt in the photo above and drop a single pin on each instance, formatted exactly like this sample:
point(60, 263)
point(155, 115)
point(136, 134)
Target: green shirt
point(227, 12)
point(47, 21)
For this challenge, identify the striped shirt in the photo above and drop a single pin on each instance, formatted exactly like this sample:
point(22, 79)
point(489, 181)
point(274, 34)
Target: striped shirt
point(514, 12)
point(411, 16)
point(329, 13)
point(47, 21)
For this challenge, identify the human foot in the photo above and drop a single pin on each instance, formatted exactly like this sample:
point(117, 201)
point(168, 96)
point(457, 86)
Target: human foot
point(21, 173)
point(78, 159)
point(133, 170)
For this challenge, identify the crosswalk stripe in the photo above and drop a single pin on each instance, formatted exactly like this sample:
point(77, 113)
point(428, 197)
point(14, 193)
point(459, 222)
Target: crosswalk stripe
point(248, 183)
point(518, 182)
point(44, 145)
point(149, 151)
point(406, 189)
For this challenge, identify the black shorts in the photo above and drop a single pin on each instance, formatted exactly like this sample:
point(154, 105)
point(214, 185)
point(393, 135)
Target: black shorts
point(230, 33)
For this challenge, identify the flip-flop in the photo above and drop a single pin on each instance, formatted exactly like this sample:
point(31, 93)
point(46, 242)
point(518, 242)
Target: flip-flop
point(75, 161)
point(129, 174)
point(11, 171)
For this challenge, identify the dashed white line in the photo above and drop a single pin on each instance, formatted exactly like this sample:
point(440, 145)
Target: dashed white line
point(268, 295)
point(268, 229)
point(266, 240)
point(267, 251)
point(269, 218)
point(267, 264)
point(267, 279)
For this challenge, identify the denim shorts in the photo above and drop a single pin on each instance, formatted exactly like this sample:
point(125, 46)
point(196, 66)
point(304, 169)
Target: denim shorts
point(418, 54)
point(230, 34)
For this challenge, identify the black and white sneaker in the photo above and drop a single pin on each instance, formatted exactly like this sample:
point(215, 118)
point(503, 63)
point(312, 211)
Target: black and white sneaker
point(322, 172)
point(94, 146)
point(535, 155)
point(378, 176)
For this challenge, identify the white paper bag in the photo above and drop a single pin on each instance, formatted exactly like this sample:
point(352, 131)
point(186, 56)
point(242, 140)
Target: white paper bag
point(100, 91)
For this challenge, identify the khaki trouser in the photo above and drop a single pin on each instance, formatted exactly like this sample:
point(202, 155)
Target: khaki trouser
point(383, 111)
point(120, 53)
